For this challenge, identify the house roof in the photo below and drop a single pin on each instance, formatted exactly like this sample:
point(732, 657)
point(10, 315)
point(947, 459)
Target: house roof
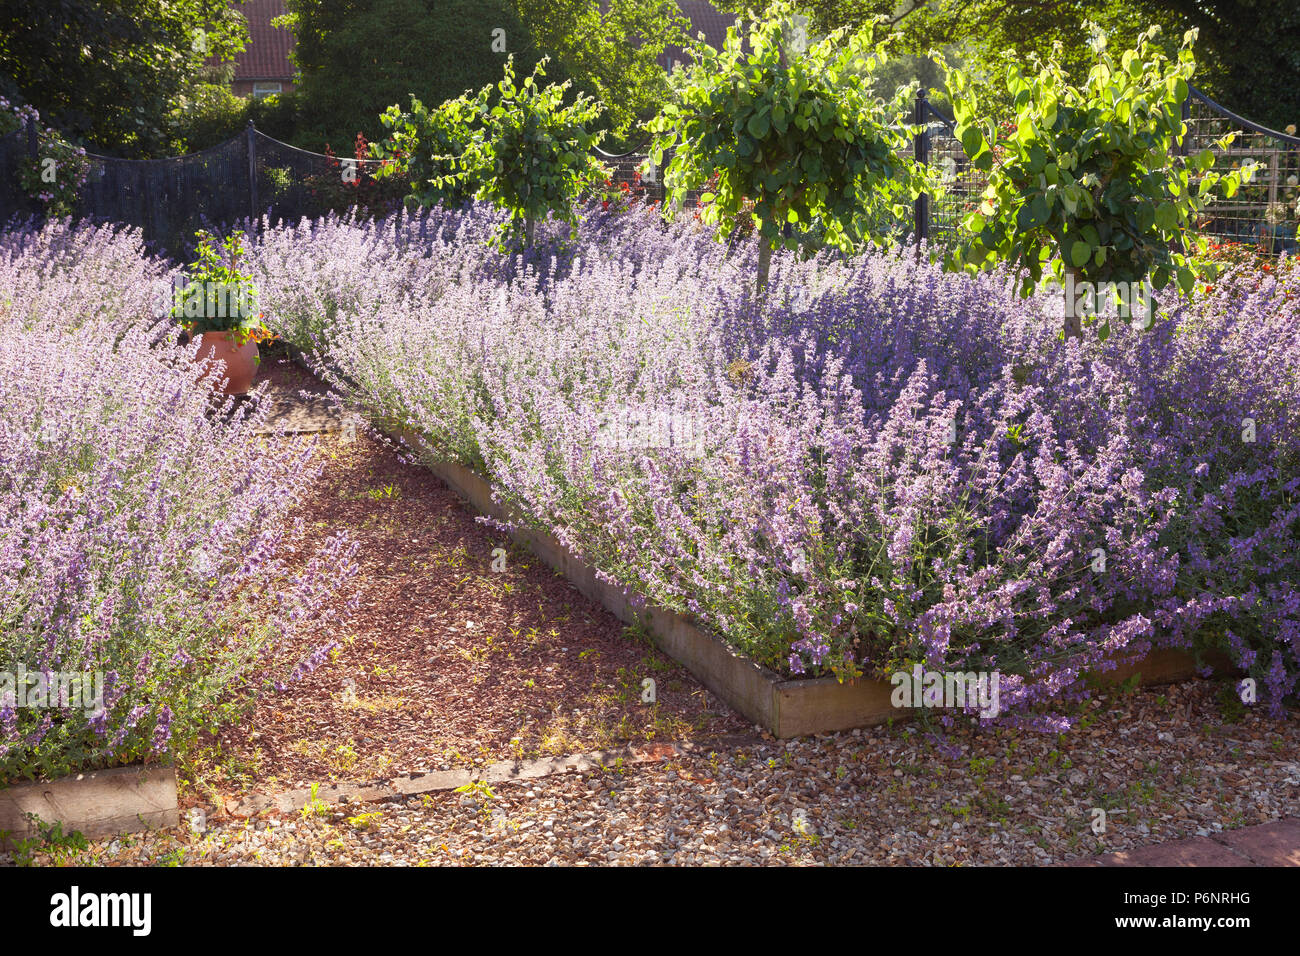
point(266, 57)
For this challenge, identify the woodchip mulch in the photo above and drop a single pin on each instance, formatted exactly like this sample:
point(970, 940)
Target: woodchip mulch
point(445, 662)
point(1166, 763)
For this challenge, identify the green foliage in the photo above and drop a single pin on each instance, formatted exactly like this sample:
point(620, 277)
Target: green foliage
point(1088, 177)
point(108, 73)
point(359, 57)
point(49, 838)
point(792, 137)
point(205, 116)
point(589, 40)
point(57, 172)
point(418, 140)
point(1248, 48)
point(528, 153)
point(1250, 53)
point(219, 296)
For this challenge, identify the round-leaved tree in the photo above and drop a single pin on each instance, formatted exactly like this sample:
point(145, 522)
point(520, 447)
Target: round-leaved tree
point(1088, 182)
point(795, 134)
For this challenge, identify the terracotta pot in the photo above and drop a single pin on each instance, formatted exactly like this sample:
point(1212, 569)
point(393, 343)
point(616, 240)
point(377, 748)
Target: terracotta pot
point(241, 360)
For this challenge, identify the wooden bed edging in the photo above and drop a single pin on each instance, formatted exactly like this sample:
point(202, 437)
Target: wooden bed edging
point(99, 804)
point(785, 708)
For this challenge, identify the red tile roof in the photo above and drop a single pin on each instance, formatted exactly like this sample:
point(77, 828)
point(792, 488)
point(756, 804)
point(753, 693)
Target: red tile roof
point(266, 57)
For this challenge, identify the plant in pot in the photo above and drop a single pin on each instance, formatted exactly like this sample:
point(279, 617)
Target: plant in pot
point(218, 305)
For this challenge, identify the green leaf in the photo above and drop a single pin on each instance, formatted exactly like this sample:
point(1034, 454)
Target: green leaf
point(1166, 216)
point(1080, 253)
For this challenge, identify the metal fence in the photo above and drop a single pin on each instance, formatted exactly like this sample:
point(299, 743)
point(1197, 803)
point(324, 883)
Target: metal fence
point(254, 175)
point(1264, 212)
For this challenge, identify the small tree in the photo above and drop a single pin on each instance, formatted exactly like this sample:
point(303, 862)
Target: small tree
point(1088, 181)
point(793, 136)
point(424, 145)
point(527, 152)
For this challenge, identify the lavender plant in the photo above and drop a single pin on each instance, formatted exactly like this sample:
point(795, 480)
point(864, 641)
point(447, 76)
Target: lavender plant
point(140, 528)
point(878, 464)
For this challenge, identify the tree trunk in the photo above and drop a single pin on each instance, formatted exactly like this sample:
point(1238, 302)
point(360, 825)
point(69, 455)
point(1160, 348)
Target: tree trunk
point(530, 229)
point(1073, 325)
point(764, 262)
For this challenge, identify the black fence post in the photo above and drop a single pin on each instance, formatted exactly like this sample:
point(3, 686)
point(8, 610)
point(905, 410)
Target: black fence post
point(921, 149)
point(1183, 148)
point(252, 174)
point(33, 149)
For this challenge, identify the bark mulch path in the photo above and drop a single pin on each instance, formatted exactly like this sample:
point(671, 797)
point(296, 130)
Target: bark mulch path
point(445, 663)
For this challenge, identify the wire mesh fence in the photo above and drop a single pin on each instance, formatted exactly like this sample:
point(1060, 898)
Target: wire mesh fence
point(253, 176)
point(1264, 212)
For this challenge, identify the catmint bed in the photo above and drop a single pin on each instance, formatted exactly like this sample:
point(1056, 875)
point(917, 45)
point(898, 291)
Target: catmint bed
point(877, 464)
point(141, 528)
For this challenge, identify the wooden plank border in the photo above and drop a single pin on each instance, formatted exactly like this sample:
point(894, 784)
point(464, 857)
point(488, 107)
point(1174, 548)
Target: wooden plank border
point(785, 708)
point(99, 804)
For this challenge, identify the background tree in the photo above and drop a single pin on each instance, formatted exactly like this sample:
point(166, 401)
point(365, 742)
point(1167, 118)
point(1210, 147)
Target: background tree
point(1087, 180)
point(608, 48)
point(792, 139)
point(108, 74)
point(358, 57)
point(1249, 52)
point(1248, 49)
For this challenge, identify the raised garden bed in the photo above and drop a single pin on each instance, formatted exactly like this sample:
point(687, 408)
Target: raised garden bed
point(782, 706)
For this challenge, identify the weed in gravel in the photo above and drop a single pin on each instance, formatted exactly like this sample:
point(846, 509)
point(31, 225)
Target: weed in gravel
point(315, 806)
point(1231, 709)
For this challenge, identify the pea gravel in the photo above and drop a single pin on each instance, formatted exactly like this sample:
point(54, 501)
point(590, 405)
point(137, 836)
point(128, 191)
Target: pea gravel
point(1166, 763)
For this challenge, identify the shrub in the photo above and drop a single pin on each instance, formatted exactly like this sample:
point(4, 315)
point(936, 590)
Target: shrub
point(528, 153)
point(885, 464)
point(1088, 178)
point(789, 139)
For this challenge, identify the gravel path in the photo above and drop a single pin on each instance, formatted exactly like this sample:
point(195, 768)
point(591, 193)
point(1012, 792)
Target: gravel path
point(1175, 759)
point(462, 648)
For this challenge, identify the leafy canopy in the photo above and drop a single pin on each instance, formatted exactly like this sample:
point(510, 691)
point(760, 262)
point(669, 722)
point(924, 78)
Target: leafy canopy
point(1088, 178)
point(424, 145)
point(527, 151)
point(107, 74)
point(795, 135)
point(591, 40)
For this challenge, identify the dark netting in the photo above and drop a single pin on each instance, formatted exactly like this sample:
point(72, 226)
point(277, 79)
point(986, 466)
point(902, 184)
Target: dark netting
point(293, 183)
point(170, 198)
point(14, 201)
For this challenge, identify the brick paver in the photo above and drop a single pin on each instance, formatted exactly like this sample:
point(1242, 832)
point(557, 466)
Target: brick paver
point(1267, 844)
